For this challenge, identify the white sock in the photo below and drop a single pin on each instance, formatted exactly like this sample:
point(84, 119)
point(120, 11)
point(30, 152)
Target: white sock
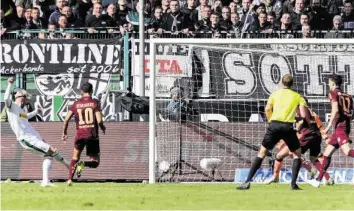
point(57, 156)
point(47, 164)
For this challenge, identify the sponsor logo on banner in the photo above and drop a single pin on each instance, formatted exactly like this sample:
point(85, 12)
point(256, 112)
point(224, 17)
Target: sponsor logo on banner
point(52, 56)
point(172, 63)
point(339, 175)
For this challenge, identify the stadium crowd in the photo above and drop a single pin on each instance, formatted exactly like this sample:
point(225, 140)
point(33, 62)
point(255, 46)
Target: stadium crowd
point(182, 16)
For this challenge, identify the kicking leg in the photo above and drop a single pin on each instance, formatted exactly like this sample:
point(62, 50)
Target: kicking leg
point(53, 152)
point(347, 150)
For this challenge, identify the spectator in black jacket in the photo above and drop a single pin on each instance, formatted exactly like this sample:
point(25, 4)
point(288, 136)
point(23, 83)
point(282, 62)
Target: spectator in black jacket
point(96, 20)
point(190, 10)
point(17, 21)
point(296, 13)
point(348, 15)
point(37, 22)
point(157, 23)
point(204, 24)
point(225, 23)
point(111, 16)
point(122, 10)
point(73, 22)
point(176, 21)
point(320, 19)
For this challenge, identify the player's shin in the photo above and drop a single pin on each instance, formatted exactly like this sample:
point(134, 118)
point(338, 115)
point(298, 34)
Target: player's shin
point(47, 164)
point(295, 170)
point(351, 153)
point(324, 167)
point(57, 156)
point(72, 168)
point(277, 167)
point(255, 166)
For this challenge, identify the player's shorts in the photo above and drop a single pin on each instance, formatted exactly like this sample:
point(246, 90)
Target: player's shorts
point(36, 145)
point(281, 130)
point(92, 146)
point(312, 143)
point(339, 138)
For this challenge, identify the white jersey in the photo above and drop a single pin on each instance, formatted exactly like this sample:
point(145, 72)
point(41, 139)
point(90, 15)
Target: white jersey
point(18, 119)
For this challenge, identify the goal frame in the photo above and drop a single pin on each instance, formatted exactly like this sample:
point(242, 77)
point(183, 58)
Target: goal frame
point(195, 41)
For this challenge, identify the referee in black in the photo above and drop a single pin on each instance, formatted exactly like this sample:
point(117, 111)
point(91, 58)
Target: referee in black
point(280, 112)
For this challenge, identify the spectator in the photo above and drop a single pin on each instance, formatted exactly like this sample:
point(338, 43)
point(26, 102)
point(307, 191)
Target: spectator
point(306, 31)
point(348, 15)
point(96, 20)
point(288, 6)
point(285, 23)
point(176, 21)
point(73, 22)
point(234, 8)
point(51, 31)
point(17, 22)
point(111, 16)
point(247, 15)
point(204, 24)
point(320, 18)
point(217, 7)
point(165, 6)
point(214, 23)
point(275, 6)
point(24, 3)
point(191, 11)
point(80, 9)
point(200, 8)
point(296, 14)
point(333, 7)
point(337, 25)
point(225, 23)
point(3, 23)
point(271, 18)
point(133, 17)
point(237, 25)
point(304, 19)
point(37, 22)
point(28, 19)
point(157, 24)
point(54, 17)
point(122, 10)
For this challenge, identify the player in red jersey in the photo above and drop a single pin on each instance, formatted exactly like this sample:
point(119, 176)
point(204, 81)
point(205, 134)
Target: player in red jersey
point(310, 134)
point(342, 112)
point(88, 118)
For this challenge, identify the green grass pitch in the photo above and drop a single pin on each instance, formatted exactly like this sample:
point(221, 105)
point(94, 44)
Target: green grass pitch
point(115, 196)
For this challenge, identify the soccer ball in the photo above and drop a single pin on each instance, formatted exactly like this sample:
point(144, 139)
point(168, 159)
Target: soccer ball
point(164, 166)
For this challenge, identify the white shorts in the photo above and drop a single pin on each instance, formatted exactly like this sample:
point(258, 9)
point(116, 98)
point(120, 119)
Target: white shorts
point(35, 145)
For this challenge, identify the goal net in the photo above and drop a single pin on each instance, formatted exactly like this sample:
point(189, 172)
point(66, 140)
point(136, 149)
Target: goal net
point(207, 100)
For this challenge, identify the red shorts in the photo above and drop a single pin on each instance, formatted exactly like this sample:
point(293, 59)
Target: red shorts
point(92, 146)
point(339, 138)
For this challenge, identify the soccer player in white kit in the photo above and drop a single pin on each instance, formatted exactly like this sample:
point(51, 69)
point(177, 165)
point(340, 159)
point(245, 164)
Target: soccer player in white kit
point(25, 134)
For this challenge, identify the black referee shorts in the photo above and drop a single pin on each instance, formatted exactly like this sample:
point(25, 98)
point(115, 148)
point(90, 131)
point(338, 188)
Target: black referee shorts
point(281, 130)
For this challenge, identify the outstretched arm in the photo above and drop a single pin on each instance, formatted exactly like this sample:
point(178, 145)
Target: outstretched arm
point(7, 95)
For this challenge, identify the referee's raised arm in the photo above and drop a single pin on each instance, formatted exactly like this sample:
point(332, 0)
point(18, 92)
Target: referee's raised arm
point(280, 112)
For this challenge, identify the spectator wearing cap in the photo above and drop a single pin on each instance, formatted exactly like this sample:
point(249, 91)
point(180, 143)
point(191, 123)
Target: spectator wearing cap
point(190, 9)
point(17, 21)
point(54, 17)
point(123, 10)
point(348, 15)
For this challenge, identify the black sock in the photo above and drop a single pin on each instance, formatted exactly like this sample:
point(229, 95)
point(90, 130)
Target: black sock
point(255, 166)
point(91, 164)
point(295, 170)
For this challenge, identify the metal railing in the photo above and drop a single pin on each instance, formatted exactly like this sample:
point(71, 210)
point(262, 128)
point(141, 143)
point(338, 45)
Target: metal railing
point(104, 33)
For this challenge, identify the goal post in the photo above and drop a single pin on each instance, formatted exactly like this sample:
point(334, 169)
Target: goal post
point(222, 87)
